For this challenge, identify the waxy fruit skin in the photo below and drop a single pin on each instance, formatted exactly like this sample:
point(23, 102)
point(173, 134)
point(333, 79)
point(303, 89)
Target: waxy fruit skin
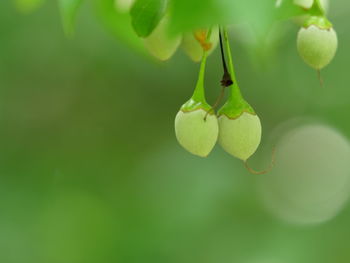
point(196, 135)
point(317, 46)
point(240, 137)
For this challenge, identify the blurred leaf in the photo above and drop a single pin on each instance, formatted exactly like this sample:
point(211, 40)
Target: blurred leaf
point(118, 23)
point(194, 14)
point(69, 10)
point(288, 9)
point(27, 6)
point(189, 15)
point(146, 15)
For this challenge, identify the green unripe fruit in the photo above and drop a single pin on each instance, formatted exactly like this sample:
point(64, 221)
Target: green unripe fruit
point(196, 131)
point(317, 45)
point(193, 47)
point(196, 125)
point(240, 137)
point(160, 44)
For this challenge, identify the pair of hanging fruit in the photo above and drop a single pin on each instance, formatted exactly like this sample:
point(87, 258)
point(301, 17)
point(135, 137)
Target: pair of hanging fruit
point(236, 127)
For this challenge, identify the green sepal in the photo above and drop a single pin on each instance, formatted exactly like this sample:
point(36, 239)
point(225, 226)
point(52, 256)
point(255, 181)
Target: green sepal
point(192, 105)
point(232, 109)
point(236, 104)
point(317, 9)
point(320, 21)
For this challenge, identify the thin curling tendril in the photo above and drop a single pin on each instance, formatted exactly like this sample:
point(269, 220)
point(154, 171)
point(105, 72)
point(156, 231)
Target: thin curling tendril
point(269, 169)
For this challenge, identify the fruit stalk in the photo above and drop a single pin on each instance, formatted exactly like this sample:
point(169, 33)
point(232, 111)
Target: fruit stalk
point(198, 94)
point(235, 93)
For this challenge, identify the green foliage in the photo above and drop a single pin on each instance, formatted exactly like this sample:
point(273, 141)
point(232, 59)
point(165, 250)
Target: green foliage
point(159, 26)
point(118, 23)
point(184, 16)
point(146, 14)
point(91, 170)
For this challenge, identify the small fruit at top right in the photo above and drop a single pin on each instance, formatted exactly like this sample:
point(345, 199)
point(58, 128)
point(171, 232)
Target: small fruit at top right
point(317, 42)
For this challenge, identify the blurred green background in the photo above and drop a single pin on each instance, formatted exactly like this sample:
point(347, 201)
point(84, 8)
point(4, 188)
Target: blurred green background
point(90, 169)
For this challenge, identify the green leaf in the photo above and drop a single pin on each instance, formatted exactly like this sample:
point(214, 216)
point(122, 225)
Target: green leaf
point(194, 14)
point(69, 10)
point(119, 23)
point(27, 6)
point(146, 14)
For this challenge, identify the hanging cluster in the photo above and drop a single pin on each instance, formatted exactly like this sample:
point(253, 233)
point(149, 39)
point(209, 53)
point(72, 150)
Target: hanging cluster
point(236, 126)
point(316, 42)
